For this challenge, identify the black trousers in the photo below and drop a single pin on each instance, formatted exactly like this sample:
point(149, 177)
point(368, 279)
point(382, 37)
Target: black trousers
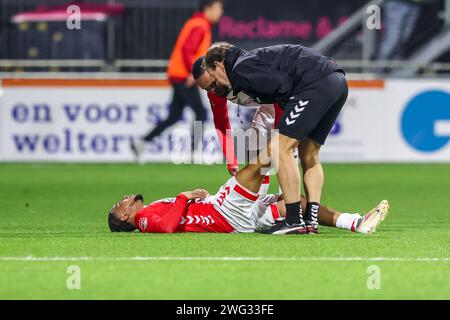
point(182, 97)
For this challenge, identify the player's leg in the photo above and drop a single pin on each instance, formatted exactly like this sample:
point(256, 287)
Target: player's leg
point(251, 177)
point(175, 112)
point(303, 120)
point(236, 198)
point(288, 174)
point(272, 208)
point(353, 221)
point(348, 221)
point(193, 99)
point(313, 181)
point(262, 126)
point(309, 152)
point(327, 216)
point(299, 118)
point(268, 215)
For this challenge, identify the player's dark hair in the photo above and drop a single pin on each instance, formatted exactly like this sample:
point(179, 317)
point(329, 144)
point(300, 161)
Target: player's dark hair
point(198, 67)
point(117, 225)
point(206, 3)
point(217, 52)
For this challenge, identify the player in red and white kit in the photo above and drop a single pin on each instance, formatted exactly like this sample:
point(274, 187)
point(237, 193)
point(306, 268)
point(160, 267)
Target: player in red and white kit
point(236, 208)
point(230, 210)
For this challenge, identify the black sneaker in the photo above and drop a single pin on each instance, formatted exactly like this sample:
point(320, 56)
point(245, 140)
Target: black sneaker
point(311, 221)
point(283, 228)
point(312, 227)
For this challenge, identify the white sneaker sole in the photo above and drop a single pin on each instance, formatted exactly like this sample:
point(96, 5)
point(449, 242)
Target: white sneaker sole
point(383, 212)
point(380, 213)
point(286, 230)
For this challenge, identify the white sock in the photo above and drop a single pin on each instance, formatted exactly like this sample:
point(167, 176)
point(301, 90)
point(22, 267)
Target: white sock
point(347, 221)
point(264, 189)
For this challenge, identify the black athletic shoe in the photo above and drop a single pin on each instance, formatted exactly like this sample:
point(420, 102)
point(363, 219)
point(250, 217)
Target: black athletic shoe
point(310, 218)
point(283, 228)
point(312, 227)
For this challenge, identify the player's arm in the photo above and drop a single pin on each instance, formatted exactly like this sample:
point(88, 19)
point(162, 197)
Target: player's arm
point(196, 194)
point(223, 128)
point(168, 221)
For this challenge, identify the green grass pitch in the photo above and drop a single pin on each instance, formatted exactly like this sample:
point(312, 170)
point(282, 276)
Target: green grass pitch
point(59, 211)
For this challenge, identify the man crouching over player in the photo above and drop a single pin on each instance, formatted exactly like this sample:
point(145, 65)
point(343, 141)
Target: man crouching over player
point(236, 208)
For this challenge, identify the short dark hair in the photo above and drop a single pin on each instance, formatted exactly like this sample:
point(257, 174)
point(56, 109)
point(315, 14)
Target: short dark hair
point(217, 52)
point(117, 225)
point(198, 67)
point(206, 3)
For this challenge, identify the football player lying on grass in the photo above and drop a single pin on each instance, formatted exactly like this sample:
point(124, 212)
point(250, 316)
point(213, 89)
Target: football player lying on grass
point(237, 207)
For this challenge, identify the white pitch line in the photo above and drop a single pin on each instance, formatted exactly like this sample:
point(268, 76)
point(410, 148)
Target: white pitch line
point(299, 259)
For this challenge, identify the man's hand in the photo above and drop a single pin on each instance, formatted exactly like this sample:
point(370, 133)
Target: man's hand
point(196, 194)
point(233, 169)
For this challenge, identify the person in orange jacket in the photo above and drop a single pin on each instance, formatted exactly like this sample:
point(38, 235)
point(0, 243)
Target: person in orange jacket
point(193, 41)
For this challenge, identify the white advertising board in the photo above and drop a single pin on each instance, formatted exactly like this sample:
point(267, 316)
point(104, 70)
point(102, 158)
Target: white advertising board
point(398, 121)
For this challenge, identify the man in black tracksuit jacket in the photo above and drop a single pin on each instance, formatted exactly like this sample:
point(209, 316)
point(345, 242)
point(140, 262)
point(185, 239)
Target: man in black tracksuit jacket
point(312, 89)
